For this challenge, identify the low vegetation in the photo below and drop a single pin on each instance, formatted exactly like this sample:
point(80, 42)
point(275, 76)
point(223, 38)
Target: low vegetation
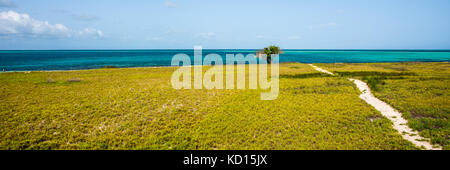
point(419, 90)
point(137, 108)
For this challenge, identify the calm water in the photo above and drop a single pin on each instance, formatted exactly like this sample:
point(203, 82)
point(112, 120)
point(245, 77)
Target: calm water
point(89, 59)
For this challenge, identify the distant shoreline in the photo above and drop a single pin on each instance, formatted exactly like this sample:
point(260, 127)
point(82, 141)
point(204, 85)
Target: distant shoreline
point(22, 71)
point(93, 59)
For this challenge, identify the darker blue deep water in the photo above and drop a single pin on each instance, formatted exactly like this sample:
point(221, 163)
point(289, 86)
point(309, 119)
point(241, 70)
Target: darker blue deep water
point(89, 59)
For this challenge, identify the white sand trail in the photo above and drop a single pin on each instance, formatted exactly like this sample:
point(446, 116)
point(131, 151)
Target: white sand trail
point(400, 124)
point(320, 69)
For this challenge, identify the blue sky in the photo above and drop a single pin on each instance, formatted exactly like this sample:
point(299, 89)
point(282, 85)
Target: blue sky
point(162, 24)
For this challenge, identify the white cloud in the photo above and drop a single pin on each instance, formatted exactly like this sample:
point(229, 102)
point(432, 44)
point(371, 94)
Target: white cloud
point(330, 24)
point(15, 23)
point(170, 4)
point(206, 35)
point(90, 33)
point(22, 25)
point(7, 3)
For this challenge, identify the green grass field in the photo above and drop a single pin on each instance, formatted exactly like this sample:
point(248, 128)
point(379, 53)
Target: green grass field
point(137, 108)
point(421, 91)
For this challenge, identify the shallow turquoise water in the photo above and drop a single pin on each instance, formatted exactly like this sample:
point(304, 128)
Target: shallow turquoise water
point(89, 59)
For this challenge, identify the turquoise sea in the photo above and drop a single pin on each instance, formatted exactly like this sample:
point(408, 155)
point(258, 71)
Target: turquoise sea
point(30, 60)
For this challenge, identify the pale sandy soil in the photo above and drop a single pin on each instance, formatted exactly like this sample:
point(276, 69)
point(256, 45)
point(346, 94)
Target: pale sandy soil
point(320, 69)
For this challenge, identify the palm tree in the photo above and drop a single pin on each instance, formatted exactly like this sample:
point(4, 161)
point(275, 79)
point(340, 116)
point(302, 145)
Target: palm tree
point(269, 51)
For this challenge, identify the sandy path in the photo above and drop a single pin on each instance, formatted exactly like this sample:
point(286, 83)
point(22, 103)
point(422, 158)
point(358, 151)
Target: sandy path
point(320, 69)
point(400, 124)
